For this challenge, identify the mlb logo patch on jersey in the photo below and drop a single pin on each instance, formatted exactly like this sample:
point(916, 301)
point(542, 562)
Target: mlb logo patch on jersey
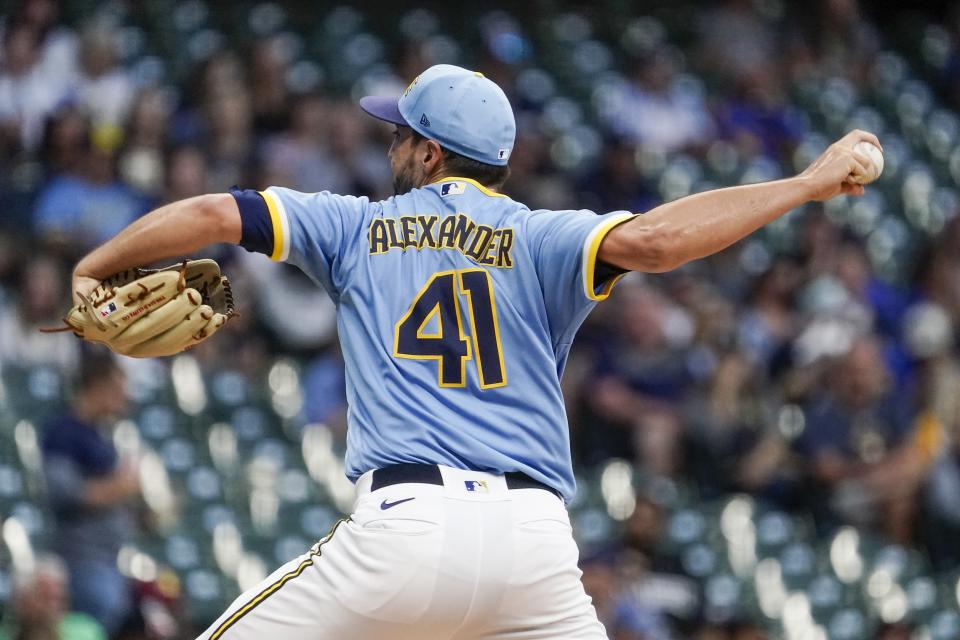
point(476, 486)
point(107, 310)
point(452, 188)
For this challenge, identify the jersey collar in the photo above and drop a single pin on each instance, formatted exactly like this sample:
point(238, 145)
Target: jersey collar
point(486, 190)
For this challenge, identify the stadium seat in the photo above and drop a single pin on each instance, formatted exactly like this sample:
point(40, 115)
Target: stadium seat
point(944, 625)
point(849, 624)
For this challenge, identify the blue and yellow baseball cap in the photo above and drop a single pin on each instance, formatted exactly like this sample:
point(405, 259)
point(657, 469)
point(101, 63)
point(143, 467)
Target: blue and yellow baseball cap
point(461, 109)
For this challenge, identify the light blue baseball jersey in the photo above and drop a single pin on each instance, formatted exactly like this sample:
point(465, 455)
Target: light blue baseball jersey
point(457, 307)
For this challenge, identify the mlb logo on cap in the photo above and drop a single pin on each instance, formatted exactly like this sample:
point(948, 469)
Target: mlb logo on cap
point(476, 485)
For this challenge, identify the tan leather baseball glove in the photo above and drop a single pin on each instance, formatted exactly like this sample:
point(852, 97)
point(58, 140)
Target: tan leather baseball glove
point(147, 313)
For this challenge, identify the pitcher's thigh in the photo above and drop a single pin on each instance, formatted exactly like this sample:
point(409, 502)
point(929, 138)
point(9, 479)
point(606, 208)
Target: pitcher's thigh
point(355, 585)
point(545, 599)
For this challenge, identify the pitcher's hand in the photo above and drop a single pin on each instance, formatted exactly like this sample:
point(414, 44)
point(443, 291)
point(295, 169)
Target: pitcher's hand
point(832, 173)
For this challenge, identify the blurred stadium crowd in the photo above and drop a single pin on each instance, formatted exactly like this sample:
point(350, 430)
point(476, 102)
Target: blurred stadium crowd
point(768, 441)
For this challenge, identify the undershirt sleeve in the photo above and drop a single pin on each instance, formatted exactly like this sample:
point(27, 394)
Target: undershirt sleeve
point(256, 224)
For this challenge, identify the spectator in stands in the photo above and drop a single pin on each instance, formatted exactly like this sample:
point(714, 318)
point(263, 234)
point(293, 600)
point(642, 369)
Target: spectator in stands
point(346, 133)
point(731, 443)
point(29, 91)
point(758, 119)
point(144, 156)
point(58, 43)
point(659, 108)
point(325, 393)
point(641, 375)
point(66, 138)
point(185, 174)
point(887, 303)
point(270, 97)
point(654, 574)
point(230, 143)
point(90, 203)
point(300, 157)
point(767, 321)
point(861, 445)
point(40, 607)
point(735, 39)
point(844, 43)
point(621, 614)
point(39, 303)
point(929, 338)
point(103, 88)
point(616, 184)
point(92, 492)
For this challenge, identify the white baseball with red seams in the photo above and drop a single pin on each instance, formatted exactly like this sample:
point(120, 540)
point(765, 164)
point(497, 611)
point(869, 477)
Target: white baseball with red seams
point(875, 168)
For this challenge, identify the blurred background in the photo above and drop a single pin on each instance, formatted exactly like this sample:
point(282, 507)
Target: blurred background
point(767, 442)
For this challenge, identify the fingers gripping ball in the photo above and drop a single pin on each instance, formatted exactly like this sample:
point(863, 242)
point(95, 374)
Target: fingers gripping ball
point(150, 313)
point(875, 168)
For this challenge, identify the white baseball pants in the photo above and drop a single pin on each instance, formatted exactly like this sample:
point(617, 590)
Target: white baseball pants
point(467, 560)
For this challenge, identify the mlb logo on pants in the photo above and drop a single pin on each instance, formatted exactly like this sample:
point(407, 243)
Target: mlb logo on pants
point(476, 485)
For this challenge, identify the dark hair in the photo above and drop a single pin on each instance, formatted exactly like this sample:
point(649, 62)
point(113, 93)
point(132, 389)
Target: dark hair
point(454, 164)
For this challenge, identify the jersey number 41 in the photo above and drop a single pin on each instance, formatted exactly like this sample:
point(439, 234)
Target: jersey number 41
point(447, 343)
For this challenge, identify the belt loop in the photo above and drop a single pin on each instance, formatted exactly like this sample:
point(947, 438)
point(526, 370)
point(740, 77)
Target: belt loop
point(364, 483)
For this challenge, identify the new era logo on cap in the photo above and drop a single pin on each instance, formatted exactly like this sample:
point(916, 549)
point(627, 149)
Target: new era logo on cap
point(503, 154)
point(424, 120)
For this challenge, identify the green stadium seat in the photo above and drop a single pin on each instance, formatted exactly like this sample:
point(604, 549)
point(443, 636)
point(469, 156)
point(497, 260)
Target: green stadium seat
point(35, 519)
point(185, 551)
point(207, 592)
point(944, 625)
point(287, 547)
point(849, 624)
point(157, 422)
point(12, 485)
point(229, 389)
point(5, 587)
point(922, 597)
point(701, 560)
point(726, 598)
point(317, 520)
point(35, 393)
point(179, 455)
point(294, 487)
point(825, 593)
point(592, 526)
point(798, 564)
point(190, 15)
point(203, 484)
point(774, 530)
point(686, 526)
point(250, 424)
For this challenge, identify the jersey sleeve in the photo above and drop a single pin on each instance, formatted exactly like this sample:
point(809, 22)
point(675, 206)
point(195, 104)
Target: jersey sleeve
point(317, 232)
point(564, 247)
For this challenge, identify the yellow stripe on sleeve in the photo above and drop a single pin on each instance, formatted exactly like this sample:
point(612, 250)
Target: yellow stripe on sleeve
point(278, 237)
point(591, 248)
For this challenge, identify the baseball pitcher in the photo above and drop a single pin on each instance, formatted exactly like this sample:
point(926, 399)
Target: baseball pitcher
point(457, 307)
